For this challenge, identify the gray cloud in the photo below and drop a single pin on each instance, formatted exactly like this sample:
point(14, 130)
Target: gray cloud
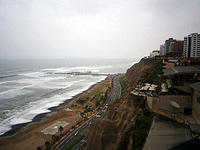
point(106, 28)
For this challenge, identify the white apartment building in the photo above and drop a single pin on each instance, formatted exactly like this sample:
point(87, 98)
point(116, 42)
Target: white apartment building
point(162, 50)
point(192, 45)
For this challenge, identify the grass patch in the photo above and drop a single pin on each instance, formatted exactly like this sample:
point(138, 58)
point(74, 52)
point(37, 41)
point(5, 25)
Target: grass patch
point(75, 141)
point(81, 101)
point(100, 90)
point(89, 101)
point(74, 106)
point(123, 85)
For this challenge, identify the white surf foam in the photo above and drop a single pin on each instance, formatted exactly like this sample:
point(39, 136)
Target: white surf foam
point(84, 69)
point(5, 82)
point(33, 74)
point(58, 85)
point(14, 92)
point(22, 87)
point(26, 114)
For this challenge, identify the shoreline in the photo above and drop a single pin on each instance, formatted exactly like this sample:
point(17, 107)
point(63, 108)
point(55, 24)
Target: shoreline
point(16, 129)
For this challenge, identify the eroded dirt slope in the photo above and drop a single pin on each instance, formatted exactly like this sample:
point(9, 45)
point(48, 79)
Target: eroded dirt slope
point(116, 130)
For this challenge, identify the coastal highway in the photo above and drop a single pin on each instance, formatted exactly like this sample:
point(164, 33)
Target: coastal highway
point(115, 94)
point(66, 141)
point(116, 90)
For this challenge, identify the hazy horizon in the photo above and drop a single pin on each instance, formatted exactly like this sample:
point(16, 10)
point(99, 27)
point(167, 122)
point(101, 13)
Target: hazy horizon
point(71, 58)
point(110, 29)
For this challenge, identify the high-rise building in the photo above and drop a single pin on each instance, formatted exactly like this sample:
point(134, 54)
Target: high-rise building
point(167, 44)
point(176, 47)
point(187, 46)
point(170, 47)
point(162, 50)
point(192, 45)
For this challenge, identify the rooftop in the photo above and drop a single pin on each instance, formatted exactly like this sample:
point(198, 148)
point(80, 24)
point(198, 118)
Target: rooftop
point(196, 86)
point(182, 70)
point(165, 135)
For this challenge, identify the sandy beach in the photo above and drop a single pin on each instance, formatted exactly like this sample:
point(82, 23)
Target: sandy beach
point(29, 135)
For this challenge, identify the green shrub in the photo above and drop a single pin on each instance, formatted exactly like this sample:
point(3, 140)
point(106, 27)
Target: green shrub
point(81, 101)
point(123, 86)
point(39, 148)
point(48, 145)
point(97, 103)
point(74, 106)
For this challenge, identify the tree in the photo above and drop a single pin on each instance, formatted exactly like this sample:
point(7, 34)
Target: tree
point(60, 130)
point(82, 114)
point(39, 148)
point(86, 112)
point(88, 108)
point(54, 138)
point(48, 145)
point(97, 103)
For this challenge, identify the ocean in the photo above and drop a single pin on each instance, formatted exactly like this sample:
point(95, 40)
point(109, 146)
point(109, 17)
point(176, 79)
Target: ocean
point(31, 87)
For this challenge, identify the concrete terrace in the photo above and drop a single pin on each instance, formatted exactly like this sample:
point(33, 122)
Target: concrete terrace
point(53, 129)
point(165, 135)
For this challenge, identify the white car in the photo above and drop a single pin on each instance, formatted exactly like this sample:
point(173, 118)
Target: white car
point(76, 133)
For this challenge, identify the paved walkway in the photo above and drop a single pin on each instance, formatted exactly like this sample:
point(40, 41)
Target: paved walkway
point(164, 135)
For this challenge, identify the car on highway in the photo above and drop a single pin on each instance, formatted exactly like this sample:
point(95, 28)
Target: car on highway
point(76, 133)
point(103, 110)
point(98, 116)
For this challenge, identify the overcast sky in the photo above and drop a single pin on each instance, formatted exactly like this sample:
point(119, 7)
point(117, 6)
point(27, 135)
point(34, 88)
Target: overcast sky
point(92, 28)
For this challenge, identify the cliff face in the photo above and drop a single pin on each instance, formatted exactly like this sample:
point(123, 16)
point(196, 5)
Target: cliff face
point(116, 130)
point(137, 72)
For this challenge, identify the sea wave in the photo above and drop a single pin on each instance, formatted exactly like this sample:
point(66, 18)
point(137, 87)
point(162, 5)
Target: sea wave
point(84, 69)
point(25, 85)
point(27, 113)
point(8, 76)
